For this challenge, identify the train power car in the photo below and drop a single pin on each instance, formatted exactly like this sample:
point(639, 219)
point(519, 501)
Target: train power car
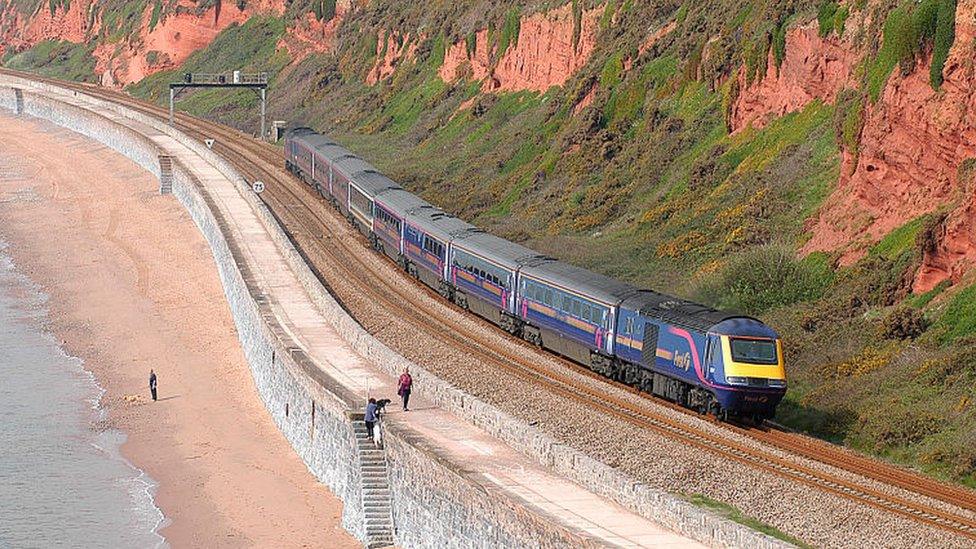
point(708, 360)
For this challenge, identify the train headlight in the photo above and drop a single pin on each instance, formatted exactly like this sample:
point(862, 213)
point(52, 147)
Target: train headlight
point(735, 380)
point(777, 383)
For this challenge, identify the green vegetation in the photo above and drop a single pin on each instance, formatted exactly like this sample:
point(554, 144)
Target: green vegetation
point(324, 10)
point(510, 31)
point(907, 30)
point(901, 240)
point(763, 278)
point(825, 16)
point(156, 12)
point(957, 320)
point(57, 60)
point(945, 35)
point(738, 516)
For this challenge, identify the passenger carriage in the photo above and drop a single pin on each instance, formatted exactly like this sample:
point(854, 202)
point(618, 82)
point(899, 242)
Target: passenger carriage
point(389, 210)
point(484, 272)
point(300, 151)
point(327, 154)
point(427, 234)
point(571, 311)
point(343, 169)
point(364, 187)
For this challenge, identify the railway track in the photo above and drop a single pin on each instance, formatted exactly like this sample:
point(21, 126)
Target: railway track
point(304, 215)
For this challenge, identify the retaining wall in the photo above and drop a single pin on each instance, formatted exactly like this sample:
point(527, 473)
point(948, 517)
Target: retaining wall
point(428, 493)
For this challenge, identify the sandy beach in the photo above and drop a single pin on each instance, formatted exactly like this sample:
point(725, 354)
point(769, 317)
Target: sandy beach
point(133, 287)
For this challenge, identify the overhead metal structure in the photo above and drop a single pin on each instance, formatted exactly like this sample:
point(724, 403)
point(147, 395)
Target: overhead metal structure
point(258, 82)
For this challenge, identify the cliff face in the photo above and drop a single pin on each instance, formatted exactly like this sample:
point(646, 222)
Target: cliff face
point(20, 31)
point(813, 68)
point(127, 55)
point(543, 54)
point(912, 144)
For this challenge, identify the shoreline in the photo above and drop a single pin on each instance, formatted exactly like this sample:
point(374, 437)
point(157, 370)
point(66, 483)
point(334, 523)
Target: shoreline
point(132, 286)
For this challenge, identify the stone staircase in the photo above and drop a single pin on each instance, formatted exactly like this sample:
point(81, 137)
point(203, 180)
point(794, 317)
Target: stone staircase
point(165, 174)
point(376, 490)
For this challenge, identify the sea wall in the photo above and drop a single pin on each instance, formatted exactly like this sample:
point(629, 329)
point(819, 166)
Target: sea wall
point(435, 503)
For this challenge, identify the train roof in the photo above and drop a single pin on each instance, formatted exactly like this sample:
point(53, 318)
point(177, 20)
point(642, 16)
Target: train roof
point(300, 131)
point(510, 255)
point(677, 311)
point(350, 165)
point(400, 201)
point(332, 151)
point(317, 141)
point(372, 182)
point(580, 280)
point(438, 223)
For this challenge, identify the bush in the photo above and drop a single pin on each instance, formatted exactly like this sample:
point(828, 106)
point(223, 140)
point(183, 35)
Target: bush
point(904, 323)
point(945, 35)
point(903, 427)
point(825, 16)
point(764, 278)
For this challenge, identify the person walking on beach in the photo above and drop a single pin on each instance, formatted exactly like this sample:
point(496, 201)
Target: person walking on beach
point(406, 382)
point(152, 383)
point(370, 418)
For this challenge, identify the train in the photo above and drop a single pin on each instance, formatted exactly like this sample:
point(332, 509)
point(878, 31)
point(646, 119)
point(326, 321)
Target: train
point(714, 362)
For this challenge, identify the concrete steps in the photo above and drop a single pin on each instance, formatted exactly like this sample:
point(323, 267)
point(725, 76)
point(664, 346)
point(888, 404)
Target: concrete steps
point(165, 174)
point(377, 503)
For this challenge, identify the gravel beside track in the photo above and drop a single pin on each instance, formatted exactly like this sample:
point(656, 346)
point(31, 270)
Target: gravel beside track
point(823, 495)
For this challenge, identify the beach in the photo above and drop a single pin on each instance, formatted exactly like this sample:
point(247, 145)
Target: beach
point(131, 287)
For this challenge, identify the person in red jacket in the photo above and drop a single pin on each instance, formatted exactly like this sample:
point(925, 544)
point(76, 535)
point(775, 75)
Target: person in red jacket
point(406, 382)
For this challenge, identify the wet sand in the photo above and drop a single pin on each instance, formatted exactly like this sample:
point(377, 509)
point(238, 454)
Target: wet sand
point(133, 286)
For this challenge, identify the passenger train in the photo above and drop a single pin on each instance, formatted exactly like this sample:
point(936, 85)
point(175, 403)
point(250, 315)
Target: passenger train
point(707, 360)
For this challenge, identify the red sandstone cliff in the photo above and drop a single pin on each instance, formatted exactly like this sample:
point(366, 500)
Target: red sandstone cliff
point(174, 38)
point(912, 145)
point(544, 55)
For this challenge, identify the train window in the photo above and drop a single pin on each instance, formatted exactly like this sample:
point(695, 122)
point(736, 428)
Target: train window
point(597, 317)
point(630, 325)
point(549, 298)
point(577, 308)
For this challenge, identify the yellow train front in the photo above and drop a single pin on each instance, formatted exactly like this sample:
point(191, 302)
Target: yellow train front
point(707, 360)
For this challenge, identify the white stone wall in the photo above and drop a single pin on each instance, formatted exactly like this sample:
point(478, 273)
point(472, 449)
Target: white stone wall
point(8, 99)
point(426, 497)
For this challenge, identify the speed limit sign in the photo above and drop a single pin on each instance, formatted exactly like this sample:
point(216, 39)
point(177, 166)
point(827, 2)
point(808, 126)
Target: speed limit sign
point(258, 186)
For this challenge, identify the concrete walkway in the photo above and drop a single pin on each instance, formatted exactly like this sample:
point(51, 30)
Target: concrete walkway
point(497, 466)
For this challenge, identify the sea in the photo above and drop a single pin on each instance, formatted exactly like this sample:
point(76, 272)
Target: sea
point(63, 482)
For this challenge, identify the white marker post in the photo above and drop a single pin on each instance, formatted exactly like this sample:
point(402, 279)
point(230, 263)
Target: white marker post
point(209, 142)
point(258, 187)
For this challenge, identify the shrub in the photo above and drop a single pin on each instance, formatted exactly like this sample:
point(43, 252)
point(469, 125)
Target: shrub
point(904, 323)
point(825, 16)
point(890, 428)
point(510, 31)
point(958, 320)
point(779, 43)
point(840, 20)
point(763, 278)
point(945, 35)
